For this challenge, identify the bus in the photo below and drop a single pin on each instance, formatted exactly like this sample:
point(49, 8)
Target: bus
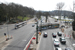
point(45, 26)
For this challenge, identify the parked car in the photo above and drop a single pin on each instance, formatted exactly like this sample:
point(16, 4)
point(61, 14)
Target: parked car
point(59, 33)
point(67, 49)
point(62, 40)
point(45, 34)
point(54, 34)
point(56, 43)
point(58, 48)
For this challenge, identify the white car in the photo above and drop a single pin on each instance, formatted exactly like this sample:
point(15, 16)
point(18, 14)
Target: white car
point(58, 48)
point(56, 43)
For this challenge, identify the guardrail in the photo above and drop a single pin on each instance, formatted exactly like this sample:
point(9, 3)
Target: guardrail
point(20, 24)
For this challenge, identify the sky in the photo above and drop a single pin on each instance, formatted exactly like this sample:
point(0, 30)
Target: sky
point(43, 5)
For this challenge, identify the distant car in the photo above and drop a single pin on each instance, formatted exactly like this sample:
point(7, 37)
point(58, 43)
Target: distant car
point(55, 20)
point(35, 22)
point(33, 25)
point(66, 26)
point(56, 43)
point(67, 49)
point(44, 28)
point(54, 34)
point(45, 34)
point(58, 48)
point(62, 26)
point(59, 33)
point(62, 40)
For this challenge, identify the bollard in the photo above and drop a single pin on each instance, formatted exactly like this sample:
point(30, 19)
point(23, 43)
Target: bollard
point(31, 46)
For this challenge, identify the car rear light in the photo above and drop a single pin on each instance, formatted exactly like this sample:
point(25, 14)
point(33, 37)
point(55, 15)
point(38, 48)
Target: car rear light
point(54, 44)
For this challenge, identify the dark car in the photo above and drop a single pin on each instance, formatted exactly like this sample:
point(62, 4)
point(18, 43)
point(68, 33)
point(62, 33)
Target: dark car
point(58, 48)
point(62, 26)
point(67, 49)
point(54, 34)
point(33, 25)
point(59, 33)
point(45, 34)
point(62, 40)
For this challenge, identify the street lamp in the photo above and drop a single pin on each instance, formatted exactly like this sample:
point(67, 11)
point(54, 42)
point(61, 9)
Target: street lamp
point(7, 27)
point(37, 33)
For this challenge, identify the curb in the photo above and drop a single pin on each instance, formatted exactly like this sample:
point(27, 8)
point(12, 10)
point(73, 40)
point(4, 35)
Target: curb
point(29, 42)
point(39, 42)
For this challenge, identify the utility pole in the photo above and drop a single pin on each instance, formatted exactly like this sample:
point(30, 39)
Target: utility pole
point(46, 18)
point(7, 28)
point(37, 33)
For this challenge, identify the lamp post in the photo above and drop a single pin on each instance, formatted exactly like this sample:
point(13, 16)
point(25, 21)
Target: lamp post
point(37, 33)
point(7, 27)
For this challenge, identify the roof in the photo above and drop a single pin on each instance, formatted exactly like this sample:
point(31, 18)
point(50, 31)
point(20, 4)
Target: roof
point(56, 40)
point(45, 33)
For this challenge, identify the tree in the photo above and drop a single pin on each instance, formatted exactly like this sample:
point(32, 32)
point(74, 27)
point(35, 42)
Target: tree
point(46, 14)
point(59, 7)
point(38, 14)
point(2, 12)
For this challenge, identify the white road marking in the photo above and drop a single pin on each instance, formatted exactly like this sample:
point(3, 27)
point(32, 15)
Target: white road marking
point(24, 40)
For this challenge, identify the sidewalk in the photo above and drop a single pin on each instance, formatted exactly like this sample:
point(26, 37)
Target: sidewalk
point(70, 39)
point(32, 43)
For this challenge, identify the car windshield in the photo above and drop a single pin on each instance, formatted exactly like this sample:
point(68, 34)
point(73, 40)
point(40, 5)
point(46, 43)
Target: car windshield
point(56, 41)
point(59, 32)
point(54, 33)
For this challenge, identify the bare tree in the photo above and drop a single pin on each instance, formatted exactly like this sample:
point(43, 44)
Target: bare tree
point(59, 7)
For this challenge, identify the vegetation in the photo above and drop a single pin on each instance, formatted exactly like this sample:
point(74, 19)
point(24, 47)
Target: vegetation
point(23, 19)
point(12, 11)
point(15, 12)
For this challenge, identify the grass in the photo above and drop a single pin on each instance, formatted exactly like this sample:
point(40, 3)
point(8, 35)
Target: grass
point(25, 18)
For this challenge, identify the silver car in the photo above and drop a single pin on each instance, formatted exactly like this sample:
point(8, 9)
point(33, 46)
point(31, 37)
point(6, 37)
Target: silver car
point(56, 43)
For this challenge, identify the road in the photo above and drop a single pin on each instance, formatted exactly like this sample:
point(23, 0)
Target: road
point(4, 29)
point(21, 37)
point(47, 43)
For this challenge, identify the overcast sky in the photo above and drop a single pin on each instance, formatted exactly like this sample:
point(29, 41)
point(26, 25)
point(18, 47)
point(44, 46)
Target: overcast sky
point(45, 5)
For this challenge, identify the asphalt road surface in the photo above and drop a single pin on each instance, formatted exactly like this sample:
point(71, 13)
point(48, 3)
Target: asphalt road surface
point(47, 43)
point(21, 37)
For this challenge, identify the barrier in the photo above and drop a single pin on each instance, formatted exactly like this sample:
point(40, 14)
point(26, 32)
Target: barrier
point(30, 45)
point(67, 36)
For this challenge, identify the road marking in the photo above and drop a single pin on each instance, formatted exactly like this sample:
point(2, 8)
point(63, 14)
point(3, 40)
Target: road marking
point(24, 40)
